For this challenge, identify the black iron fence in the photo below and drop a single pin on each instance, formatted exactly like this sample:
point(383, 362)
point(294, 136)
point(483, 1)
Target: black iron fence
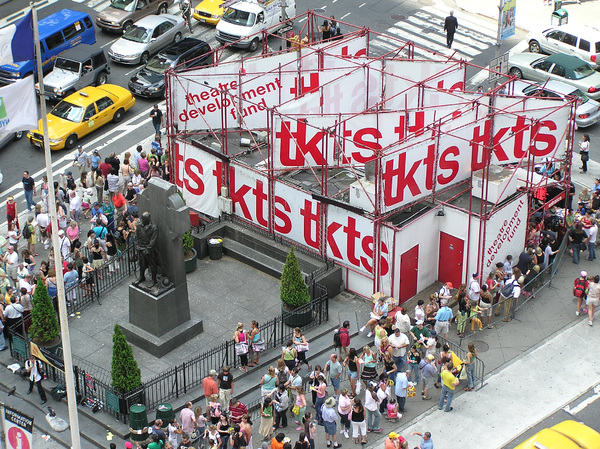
point(93, 383)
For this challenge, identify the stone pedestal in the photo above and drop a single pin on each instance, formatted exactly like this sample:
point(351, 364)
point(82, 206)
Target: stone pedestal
point(159, 324)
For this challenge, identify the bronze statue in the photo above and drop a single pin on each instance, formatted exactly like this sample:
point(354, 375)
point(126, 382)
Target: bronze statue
point(146, 239)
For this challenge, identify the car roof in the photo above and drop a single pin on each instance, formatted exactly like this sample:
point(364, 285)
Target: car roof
point(179, 48)
point(48, 25)
point(567, 61)
point(579, 30)
point(153, 20)
point(82, 52)
point(93, 94)
point(559, 87)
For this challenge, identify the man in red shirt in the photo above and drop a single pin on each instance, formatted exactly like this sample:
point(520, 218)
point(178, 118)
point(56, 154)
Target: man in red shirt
point(105, 167)
point(236, 410)
point(209, 385)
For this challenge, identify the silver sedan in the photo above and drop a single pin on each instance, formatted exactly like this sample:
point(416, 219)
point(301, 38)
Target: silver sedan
point(146, 37)
point(559, 67)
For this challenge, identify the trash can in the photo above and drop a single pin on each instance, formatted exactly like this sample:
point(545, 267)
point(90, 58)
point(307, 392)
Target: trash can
point(561, 16)
point(215, 247)
point(138, 422)
point(164, 412)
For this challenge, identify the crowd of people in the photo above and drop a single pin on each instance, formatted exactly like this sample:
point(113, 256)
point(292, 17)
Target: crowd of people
point(97, 216)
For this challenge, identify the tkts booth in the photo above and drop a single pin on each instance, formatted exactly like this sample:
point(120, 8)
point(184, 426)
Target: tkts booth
point(384, 164)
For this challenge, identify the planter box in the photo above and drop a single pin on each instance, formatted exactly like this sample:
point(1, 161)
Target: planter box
point(191, 263)
point(297, 318)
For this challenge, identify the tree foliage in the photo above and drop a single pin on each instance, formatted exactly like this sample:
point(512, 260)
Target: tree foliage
point(44, 323)
point(293, 292)
point(125, 373)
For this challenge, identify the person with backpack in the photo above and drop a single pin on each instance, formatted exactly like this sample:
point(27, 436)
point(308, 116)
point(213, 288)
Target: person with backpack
point(580, 290)
point(510, 293)
point(341, 338)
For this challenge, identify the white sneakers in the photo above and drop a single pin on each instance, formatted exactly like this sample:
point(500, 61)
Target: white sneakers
point(370, 334)
point(362, 329)
point(577, 313)
point(590, 323)
point(346, 434)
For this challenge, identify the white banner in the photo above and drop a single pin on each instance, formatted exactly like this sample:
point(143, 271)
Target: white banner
point(18, 107)
point(198, 175)
point(18, 429)
point(249, 192)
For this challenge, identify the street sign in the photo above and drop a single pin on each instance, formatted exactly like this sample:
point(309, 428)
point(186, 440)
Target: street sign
point(18, 429)
point(499, 64)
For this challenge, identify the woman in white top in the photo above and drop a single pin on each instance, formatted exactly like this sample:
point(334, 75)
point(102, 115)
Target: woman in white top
point(173, 430)
point(584, 151)
point(13, 235)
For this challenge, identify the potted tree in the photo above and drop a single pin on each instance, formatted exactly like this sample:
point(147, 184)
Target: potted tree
point(44, 329)
point(190, 256)
point(294, 294)
point(125, 374)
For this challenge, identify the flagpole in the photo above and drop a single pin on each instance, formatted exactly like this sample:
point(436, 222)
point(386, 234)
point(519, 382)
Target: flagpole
point(62, 306)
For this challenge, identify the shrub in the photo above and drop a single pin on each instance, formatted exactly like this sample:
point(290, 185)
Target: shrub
point(125, 373)
point(293, 292)
point(44, 324)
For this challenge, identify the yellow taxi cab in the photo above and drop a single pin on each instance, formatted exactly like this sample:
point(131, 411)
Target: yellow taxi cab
point(565, 435)
point(209, 11)
point(81, 113)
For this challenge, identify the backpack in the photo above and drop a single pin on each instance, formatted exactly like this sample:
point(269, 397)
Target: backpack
point(27, 231)
point(579, 288)
point(507, 290)
point(283, 378)
point(337, 341)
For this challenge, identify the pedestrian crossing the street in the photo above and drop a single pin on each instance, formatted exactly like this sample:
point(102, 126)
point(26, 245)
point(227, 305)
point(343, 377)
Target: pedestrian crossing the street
point(426, 29)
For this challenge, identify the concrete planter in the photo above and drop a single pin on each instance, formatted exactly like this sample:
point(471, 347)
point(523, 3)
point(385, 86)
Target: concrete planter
point(192, 262)
point(297, 317)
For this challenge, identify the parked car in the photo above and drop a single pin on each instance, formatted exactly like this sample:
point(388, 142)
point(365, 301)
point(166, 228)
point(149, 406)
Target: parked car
point(565, 435)
point(81, 113)
point(209, 11)
point(578, 40)
point(10, 137)
point(188, 53)
point(147, 37)
point(588, 110)
point(75, 69)
point(566, 68)
point(121, 14)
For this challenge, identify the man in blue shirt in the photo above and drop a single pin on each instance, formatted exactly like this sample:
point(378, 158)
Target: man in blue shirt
point(426, 441)
point(442, 319)
point(401, 390)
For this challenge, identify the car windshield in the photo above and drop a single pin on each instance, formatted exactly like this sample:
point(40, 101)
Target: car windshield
point(159, 64)
point(578, 94)
point(238, 17)
point(125, 5)
point(137, 34)
point(67, 64)
point(582, 71)
point(68, 111)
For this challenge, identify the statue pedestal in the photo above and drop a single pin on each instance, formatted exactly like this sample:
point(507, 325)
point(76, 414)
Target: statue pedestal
point(159, 324)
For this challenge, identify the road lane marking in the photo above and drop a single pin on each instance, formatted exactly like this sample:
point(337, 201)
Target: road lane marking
point(345, 15)
point(19, 14)
point(101, 6)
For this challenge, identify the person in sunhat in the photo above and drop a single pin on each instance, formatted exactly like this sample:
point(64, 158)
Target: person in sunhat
point(330, 417)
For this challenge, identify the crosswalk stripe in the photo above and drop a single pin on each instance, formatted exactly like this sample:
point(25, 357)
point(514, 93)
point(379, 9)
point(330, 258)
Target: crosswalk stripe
point(463, 38)
point(436, 41)
point(102, 6)
point(464, 51)
point(481, 26)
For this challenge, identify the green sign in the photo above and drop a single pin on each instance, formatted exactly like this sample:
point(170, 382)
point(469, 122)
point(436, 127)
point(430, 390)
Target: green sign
point(2, 108)
point(112, 401)
point(20, 346)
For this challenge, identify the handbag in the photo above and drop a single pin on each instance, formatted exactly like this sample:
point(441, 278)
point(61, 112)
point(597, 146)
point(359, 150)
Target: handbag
point(302, 348)
point(259, 346)
point(295, 410)
point(241, 349)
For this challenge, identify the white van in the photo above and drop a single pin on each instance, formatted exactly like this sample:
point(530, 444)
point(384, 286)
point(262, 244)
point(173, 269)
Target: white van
point(578, 40)
point(243, 19)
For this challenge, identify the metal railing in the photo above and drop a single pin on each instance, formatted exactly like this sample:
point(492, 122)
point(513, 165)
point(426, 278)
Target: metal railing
point(506, 310)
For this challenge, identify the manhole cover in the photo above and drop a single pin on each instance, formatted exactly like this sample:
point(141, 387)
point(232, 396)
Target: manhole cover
point(481, 346)
point(398, 17)
point(428, 30)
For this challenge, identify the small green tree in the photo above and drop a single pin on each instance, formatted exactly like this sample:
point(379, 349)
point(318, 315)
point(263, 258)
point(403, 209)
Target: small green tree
point(125, 372)
point(293, 290)
point(188, 244)
point(44, 324)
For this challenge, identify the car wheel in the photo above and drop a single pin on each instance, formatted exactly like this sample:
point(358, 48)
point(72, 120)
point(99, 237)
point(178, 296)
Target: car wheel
point(71, 142)
point(144, 58)
point(18, 135)
point(162, 9)
point(534, 47)
point(516, 72)
point(118, 115)
point(254, 44)
point(102, 78)
point(177, 37)
point(127, 25)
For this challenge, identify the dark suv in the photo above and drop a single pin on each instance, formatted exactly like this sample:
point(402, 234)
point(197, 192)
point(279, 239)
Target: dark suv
point(188, 53)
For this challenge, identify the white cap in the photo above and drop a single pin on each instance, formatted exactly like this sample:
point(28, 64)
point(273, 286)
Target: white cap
point(61, 232)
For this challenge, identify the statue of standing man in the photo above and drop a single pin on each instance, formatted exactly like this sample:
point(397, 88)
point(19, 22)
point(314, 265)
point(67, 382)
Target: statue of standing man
point(146, 239)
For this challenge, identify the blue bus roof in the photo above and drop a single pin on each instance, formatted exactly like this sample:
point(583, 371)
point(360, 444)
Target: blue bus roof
point(58, 20)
